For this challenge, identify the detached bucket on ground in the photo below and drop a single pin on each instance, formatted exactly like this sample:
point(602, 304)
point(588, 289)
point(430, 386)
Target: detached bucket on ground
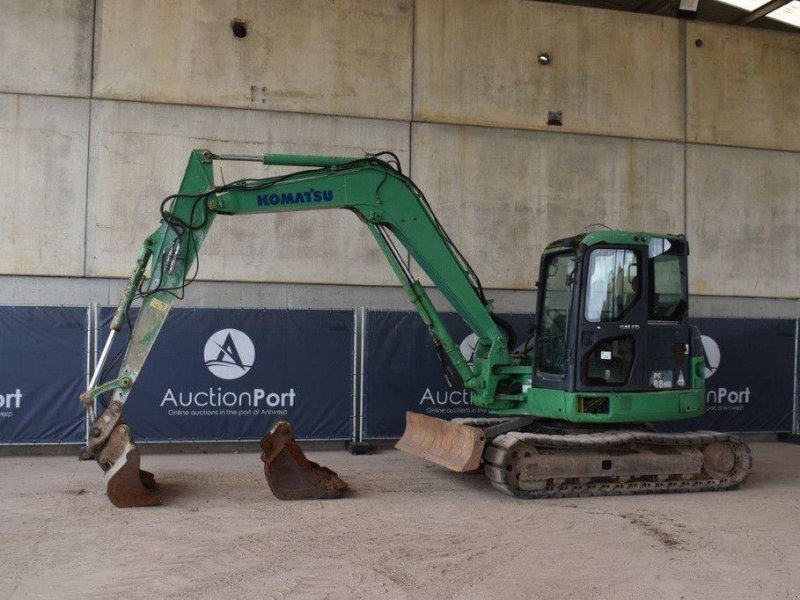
point(290, 475)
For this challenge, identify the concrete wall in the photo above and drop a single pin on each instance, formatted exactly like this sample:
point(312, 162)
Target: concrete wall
point(505, 194)
point(743, 87)
point(611, 73)
point(744, 221)
point(43, 169)
point(666, 126)
point(349, 57)
point(46, 47)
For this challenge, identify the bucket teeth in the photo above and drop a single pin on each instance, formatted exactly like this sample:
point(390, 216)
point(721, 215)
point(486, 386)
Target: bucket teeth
point(127, 486)
point(452, 445)
point(290, 475)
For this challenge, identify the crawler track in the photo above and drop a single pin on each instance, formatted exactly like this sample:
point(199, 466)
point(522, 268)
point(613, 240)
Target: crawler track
point(537, 465)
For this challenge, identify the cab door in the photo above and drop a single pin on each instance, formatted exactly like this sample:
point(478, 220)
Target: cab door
point(667, 363)
point(613, 319)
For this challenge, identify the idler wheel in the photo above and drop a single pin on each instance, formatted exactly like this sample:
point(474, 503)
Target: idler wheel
point(718, 460)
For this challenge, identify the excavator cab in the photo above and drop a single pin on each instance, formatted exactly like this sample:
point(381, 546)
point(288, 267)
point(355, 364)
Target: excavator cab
point(612, 328)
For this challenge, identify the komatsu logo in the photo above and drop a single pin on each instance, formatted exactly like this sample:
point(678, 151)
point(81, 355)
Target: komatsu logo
point(229, 354)
point(311, 195)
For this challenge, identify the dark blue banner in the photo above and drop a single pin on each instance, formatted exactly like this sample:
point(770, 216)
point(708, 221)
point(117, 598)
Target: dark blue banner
point(42, 373)
point(403, 371)
point(749, 375)
point(231, 374)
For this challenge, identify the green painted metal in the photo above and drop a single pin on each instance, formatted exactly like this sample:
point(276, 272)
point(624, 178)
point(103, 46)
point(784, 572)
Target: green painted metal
point(611, 237)
point(698, 372)
point(174, 247)
point(422, 303)
point(632, 407)
point(394, 210)
point(131, 289)
point(118, 383)
point(300, 160)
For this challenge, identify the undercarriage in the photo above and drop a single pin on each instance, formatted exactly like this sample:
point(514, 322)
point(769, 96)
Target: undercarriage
point(546, 459)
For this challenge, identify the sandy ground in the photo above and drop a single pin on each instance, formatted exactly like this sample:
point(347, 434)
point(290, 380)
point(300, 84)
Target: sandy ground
point(409, 530)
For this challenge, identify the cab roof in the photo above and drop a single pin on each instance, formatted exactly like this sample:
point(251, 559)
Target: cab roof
point(612, 237)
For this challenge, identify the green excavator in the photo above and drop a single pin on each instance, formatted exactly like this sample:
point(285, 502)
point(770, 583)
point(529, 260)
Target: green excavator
point(611, 351)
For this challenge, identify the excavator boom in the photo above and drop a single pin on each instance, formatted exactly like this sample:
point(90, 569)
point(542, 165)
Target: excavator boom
point(395, 212)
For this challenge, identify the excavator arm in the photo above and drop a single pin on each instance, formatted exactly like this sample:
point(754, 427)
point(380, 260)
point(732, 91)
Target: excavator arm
point(387, 202)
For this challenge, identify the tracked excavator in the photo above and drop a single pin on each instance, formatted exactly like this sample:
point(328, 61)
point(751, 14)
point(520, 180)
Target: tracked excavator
point(572, 407)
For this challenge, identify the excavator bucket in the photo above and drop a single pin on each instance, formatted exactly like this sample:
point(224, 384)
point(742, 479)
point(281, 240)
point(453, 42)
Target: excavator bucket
point(127, 486)
point(290, 475)
point(452, 445)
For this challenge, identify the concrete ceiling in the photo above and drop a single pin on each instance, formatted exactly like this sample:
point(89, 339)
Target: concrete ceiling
point(707, 10)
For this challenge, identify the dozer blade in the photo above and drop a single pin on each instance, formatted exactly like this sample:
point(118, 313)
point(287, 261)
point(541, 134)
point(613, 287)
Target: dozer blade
point(452, 445)
point(127, 486)
point(290, 475)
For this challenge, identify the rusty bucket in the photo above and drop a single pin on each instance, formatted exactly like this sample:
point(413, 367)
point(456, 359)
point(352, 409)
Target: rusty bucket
point(290, 475)
point(127, 486)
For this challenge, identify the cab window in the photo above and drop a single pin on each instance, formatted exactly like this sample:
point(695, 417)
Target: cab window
point(612, 284)
point(552, 337)
point(667, 300)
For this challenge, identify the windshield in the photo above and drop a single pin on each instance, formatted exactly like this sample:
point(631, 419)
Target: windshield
point(613, 284)
point(551, 339)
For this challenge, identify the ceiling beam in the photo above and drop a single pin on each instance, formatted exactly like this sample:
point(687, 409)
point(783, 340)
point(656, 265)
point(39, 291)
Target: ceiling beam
point(611, 4)
point(595, 3)
point(761, 11)
point(653, 6)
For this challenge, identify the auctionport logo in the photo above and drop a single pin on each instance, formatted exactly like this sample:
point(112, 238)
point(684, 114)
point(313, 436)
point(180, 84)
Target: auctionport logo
point(712, 355)
point(468, 345)
point(10, 401)
point(721, 398)
point(229, 354)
